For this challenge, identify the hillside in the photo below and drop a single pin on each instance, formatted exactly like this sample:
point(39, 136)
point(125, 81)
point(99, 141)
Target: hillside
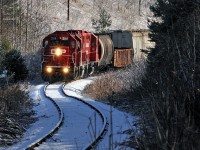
point(127, 14)
point(26, 22)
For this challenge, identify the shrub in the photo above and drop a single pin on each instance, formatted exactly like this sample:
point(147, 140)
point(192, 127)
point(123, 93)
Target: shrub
point(116, 82)
point(15, 114)
point(14, 64)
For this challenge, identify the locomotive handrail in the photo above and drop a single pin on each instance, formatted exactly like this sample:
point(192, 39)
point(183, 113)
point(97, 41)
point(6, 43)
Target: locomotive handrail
point(73, 57)
point(57, 126)
point(104, 129)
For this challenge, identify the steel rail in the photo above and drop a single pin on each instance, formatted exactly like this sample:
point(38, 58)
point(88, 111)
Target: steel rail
point(91, 145)
point(104, 129)
point(52, 131)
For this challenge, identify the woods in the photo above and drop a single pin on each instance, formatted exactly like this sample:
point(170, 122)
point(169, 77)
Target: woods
point(18, 38)
point(19, 26)
point(163, 91)
point(167, 99)
point(171, 84)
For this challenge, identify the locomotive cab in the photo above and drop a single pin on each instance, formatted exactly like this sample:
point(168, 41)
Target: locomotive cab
point(57, 56)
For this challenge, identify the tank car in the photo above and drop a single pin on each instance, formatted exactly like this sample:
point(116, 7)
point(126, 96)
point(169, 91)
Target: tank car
point(77, 53)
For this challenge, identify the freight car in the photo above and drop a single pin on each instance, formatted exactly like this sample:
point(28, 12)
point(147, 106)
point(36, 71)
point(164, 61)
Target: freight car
point(77, 53)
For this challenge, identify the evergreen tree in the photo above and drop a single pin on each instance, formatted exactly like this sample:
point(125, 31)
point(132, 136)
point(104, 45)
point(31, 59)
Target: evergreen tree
point(103, 23)
point(173, 85)
point(14, 64)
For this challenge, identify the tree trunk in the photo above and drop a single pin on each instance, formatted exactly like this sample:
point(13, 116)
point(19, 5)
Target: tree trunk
point(1, 20)
point(68, 10)
point(27, 19)
point(140, 7)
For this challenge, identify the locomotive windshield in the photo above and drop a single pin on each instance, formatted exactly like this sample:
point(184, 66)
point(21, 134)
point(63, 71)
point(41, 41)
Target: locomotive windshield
point(59, 43)
point(54, 41)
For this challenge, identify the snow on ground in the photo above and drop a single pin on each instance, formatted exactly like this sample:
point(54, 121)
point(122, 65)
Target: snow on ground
point(75, 131)
point(47, 115)
point(121, 121)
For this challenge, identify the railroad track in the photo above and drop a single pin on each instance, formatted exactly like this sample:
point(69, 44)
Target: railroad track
point(90, 145)
point(104, 120)
point(56, 128)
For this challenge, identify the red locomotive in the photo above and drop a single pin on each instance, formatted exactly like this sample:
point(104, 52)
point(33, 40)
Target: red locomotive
point(75, 53)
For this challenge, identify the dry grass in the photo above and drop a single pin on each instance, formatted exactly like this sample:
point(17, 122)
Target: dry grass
point(116, 82)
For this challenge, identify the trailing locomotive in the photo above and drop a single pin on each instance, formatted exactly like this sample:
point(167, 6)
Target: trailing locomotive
point(77, 53)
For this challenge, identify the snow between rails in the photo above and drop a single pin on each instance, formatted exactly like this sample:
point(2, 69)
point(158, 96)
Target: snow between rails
point(104, 119)
point(57, 126)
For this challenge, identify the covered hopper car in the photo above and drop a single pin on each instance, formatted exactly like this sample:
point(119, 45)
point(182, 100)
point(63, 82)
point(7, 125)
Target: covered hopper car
point(77, 53)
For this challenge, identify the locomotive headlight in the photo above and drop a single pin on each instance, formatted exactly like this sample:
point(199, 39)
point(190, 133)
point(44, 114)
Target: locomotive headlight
point(49, 70)
point(58, 52)
point(65, 70)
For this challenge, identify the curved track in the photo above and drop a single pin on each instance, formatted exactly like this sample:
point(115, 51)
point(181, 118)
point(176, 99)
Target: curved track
point(104, 119)
point(78, 128)
point(57, 126)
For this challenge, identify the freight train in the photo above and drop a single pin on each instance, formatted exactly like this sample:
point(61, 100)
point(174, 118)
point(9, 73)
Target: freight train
point(76, 53)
